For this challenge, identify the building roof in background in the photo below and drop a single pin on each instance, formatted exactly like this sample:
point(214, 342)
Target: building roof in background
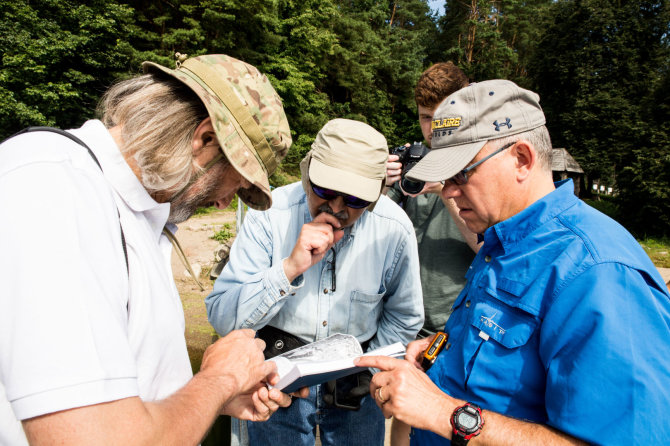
point(562, 161)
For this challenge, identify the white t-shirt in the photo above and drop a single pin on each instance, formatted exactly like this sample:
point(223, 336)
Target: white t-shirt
point(76, 328)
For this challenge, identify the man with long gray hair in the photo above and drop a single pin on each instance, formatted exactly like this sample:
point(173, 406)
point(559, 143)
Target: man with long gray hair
point(93, 350)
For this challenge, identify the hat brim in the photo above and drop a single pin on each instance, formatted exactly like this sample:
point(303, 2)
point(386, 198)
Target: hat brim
point(234, 143)
point(445, 162)
point(367, 189)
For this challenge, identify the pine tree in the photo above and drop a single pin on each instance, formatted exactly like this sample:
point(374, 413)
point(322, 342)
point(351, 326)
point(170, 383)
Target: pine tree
point(597, 69)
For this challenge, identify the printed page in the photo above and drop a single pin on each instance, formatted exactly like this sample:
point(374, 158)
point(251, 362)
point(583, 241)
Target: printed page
point(336, 347)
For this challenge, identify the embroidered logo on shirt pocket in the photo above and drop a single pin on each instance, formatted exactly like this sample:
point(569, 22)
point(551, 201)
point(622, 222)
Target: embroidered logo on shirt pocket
point(509, 326)
point(498, 337)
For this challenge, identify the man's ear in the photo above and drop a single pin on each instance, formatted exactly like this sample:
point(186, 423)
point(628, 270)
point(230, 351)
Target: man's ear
point(525, 157)
point(203, 136)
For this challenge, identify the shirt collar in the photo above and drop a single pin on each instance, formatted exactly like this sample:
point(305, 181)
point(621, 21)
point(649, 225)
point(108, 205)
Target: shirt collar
point(119, 174)
point(519, 226)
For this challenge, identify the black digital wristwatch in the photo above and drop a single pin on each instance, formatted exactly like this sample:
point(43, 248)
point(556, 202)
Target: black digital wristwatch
point(467, 422)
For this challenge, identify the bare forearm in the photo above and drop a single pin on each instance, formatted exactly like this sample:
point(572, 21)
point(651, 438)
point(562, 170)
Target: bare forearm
point(501, 430)
point(186, 416)
point(182, 419)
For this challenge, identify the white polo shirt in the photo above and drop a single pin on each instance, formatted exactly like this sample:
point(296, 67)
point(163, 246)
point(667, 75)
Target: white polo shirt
point(76, 328)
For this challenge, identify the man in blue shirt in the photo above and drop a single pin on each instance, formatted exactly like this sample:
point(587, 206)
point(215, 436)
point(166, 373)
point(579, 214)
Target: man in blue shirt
point(564, 322)
point(330, 256)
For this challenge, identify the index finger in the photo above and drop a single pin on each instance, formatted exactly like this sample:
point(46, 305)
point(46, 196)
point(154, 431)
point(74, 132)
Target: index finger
point(268, 369)
point(325, 217)
point(379, 362)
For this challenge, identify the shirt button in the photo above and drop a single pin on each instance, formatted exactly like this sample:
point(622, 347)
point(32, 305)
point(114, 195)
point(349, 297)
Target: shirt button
point(467, 304)
point(448, 346)
point(282, 292)
point(324, 323)
point(325, 291)
point(487, 259)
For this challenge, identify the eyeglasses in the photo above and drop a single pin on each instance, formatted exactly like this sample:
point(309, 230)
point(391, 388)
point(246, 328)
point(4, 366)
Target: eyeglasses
point(462, 177)
point(329, 194)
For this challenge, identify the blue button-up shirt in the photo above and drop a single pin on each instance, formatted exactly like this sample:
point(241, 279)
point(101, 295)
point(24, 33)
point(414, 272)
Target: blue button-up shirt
point(564, 321)
point(377, 292)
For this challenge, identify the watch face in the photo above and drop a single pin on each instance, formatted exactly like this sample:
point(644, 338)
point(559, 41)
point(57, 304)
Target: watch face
point(467, 421)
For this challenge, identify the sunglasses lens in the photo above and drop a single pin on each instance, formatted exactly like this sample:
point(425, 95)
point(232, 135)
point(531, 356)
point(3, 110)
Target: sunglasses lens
point(355, 202)
point(349, 200)
point(323, 193)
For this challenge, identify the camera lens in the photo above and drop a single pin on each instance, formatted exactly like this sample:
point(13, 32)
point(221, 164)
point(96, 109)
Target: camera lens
point(411, 187)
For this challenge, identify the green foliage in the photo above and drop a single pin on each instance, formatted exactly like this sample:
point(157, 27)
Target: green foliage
point(205, 211)
point(606, 205)
point(600, 66)
point(57, 57)
point(224, 234)
point(599, 70)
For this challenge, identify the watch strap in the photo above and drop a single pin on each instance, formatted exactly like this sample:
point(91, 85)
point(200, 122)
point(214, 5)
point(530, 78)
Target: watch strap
point(458, 440)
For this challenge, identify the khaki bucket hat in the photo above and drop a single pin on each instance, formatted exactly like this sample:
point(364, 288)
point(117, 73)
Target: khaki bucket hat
point(350, 157)
point(247, 115)
point(467, 119)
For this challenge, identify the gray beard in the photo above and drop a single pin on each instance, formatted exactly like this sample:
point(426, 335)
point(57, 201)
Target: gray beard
point(181, 212)
point(186, 204)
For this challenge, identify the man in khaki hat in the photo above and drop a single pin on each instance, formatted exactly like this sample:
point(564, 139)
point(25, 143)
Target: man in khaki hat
point(93, 349)
point(330, 256)
point(561, 333)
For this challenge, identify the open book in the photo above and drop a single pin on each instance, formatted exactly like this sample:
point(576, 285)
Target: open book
point(325, 360)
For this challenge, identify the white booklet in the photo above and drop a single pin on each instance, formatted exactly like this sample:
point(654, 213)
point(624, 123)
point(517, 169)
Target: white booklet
point(325, 360)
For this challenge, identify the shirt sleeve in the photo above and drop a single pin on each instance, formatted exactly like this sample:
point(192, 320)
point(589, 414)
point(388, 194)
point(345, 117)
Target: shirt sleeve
point(403, 313)
point(604, 342)
point(252, 288)
point(63, 316)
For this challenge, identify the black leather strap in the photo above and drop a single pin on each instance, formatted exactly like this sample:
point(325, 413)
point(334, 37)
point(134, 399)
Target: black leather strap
point(278, 341)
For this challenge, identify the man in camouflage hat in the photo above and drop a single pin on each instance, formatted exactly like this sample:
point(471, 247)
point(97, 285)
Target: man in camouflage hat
point(95, 348)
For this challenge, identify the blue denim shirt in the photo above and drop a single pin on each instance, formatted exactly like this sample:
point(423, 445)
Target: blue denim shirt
point(377, 294)
point(564, 321)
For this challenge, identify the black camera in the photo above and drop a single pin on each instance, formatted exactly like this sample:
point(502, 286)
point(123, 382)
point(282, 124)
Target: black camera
point(408, 157)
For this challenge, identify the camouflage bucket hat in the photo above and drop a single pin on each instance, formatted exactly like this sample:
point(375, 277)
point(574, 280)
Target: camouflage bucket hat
point(247, 115)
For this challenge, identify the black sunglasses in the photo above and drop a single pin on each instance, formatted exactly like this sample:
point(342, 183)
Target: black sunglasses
point(462, 177)
point(329, 194)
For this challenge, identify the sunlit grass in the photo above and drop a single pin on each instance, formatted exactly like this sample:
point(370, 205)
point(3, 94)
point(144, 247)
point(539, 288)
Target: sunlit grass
point(658, 250)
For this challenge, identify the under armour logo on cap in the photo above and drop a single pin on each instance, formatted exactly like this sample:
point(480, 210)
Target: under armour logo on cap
point(485, 111)
point(506, 123)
